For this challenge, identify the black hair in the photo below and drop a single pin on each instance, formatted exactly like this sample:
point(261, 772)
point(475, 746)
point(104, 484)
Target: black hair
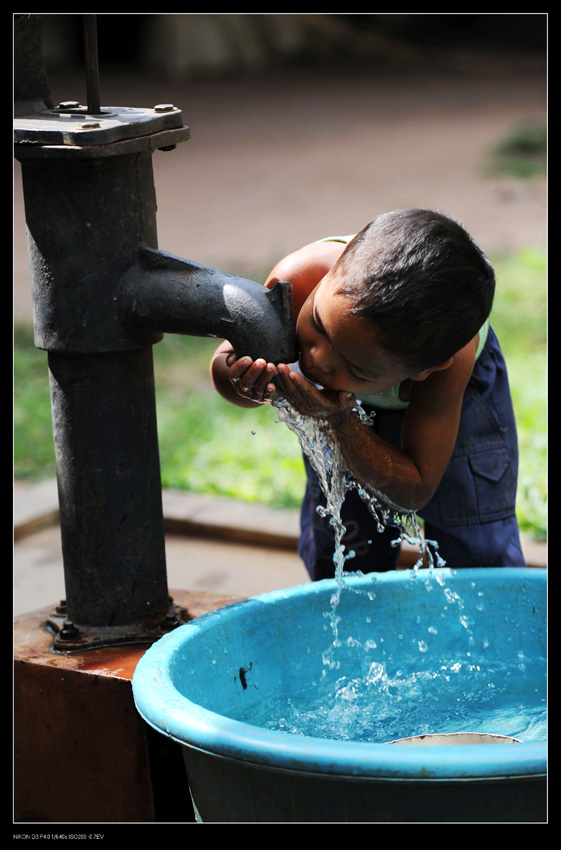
point(422, 280)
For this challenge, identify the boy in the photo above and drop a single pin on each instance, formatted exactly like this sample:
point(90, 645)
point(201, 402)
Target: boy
point(396, 317)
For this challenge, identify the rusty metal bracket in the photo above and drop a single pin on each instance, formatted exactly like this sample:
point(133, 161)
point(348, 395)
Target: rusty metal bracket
point(70, 637)
point(70, 124)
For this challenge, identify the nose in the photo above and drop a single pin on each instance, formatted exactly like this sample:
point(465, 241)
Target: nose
point(322, 357)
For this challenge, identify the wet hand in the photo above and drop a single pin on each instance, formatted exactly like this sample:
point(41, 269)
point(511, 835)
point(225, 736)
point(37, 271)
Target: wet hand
point(335, 407)
point(252, 379)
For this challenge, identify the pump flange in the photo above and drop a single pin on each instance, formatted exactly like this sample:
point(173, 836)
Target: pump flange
point(70, 637)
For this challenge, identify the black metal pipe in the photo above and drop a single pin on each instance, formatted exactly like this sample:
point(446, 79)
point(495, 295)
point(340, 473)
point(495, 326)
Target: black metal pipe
point(32, 94)
point(109, 487)
point(92, 64)
point(82, 235)
point(85, 220)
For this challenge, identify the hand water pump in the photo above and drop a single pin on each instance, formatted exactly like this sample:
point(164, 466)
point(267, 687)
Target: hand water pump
point(103, 295)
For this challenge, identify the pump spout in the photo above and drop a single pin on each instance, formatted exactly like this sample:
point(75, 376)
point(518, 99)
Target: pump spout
point(165, 293)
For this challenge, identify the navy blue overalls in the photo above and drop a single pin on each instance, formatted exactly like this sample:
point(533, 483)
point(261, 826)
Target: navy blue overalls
point(471, 515)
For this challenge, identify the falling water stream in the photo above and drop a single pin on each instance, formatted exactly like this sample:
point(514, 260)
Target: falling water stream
point(363, 692)
point(318, 442)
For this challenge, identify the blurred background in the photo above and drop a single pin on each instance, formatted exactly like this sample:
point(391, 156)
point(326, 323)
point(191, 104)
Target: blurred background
point(304, 126)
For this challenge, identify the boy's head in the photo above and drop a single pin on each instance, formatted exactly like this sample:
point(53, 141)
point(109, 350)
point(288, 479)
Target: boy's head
point(420, 278)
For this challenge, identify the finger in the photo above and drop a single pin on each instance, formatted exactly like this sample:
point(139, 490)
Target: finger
point(271, 390)
point(263, 377)
point(301, 385)
point(245, 373)
point(256, 379)
point(283, 383)
point(255, 376)
point(295, 391)
point(239, 367)
point(286, 375)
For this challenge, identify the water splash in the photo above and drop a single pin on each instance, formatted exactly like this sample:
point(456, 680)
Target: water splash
point(380, 703)
point(319, 443)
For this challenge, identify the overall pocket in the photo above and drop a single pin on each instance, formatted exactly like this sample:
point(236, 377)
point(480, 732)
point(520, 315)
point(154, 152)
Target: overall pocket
point(479, 484)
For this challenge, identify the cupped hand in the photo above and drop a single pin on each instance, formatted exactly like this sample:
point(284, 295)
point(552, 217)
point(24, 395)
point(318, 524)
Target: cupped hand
point(332, 406)
point(252, 379)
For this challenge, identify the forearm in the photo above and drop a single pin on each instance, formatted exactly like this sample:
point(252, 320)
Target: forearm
point(380, 468)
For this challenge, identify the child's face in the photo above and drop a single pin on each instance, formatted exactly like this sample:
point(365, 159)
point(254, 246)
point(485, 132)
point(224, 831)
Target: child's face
point(339, 350)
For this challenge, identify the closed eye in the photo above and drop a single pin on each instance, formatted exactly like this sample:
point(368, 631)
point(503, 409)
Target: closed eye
point(317, 326)
point(356, 377)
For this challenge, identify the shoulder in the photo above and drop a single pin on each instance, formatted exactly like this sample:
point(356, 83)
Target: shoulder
point(445, 389)
point(305, 268)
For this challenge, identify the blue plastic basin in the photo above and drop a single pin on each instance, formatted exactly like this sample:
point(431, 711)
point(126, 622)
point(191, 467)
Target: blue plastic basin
point(196, 683)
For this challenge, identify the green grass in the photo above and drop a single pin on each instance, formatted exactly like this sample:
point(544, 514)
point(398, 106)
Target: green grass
point(33, 442)
point(210, 446)
point(519, 319)
point(522, 153)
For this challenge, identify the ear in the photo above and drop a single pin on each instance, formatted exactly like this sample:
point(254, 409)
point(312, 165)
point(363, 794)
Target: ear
point(422, 376)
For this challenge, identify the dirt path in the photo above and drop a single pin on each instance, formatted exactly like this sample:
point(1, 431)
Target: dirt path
point(277, 161)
